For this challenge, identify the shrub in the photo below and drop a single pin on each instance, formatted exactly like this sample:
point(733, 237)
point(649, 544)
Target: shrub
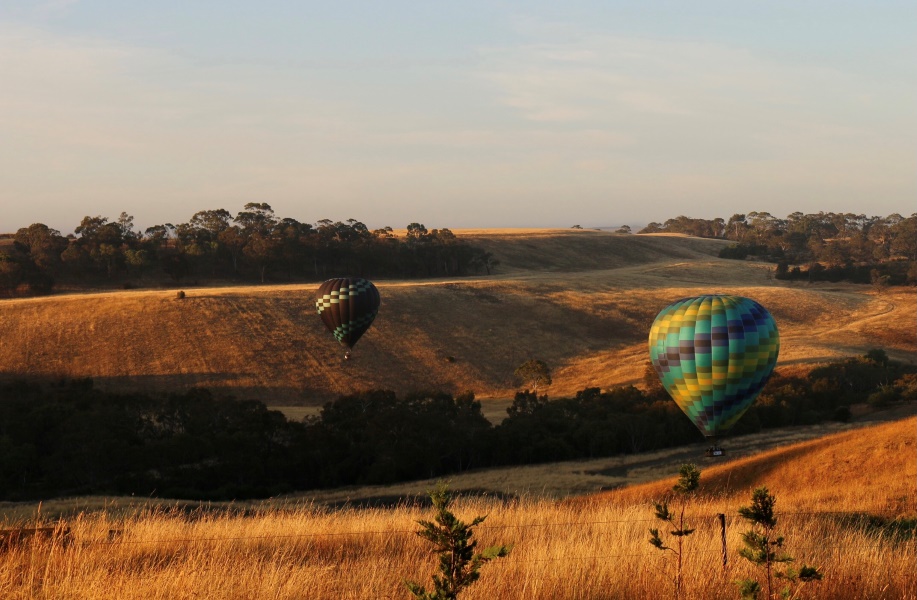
point(764, 547)
point(842, 414)
point(885, 395)
point(687, 484)
point(459, 564)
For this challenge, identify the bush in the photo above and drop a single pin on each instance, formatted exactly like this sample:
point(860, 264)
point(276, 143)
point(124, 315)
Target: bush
point(842, 414)
point(459, 564)
point(764, 548)
point(884, 396)
point(735, 251)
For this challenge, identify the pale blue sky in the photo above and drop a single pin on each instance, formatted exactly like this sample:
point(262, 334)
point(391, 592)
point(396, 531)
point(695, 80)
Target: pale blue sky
point(461, 114)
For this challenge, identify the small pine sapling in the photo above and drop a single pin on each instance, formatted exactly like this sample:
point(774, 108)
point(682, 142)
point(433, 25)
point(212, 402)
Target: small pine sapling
point(688, 481)
point(764, 547)
point(459, 564)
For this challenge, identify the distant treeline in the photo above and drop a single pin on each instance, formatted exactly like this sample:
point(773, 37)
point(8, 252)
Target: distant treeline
point(71, 438)
point(815, 247)
point(255, 245)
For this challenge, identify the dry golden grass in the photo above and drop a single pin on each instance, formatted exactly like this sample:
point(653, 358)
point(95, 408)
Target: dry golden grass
point(871, 469)
point(582, 301)
point(562, 550)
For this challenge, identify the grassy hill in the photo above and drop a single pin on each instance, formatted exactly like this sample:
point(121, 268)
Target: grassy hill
point(582, 301)
point(871, 469)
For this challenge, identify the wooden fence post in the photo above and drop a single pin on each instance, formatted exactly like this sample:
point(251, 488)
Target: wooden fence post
point(722, 519)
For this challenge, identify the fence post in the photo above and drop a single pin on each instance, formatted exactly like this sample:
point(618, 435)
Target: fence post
point(722, 519)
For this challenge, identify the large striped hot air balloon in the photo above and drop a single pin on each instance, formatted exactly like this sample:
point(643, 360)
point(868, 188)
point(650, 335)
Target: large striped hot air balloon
point(347, 307)
point(714, 354)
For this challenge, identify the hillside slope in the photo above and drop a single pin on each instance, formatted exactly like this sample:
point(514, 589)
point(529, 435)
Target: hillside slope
point(582, 301)
point(866, 469)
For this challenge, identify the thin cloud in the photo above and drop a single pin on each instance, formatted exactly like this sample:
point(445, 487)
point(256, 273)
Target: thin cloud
point(666, 91)
point(54, 8)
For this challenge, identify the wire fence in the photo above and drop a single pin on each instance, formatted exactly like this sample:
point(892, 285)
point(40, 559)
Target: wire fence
point(118, 536)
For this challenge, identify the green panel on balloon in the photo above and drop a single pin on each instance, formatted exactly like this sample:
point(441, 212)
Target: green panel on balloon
point(713, 355)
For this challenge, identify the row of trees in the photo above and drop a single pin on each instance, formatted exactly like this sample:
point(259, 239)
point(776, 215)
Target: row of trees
point(845, 245)
point(71, 438)
point(253, 245)
point(257, 245)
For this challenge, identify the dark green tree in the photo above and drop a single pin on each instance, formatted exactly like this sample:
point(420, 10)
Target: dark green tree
point(533, 374)
point(200, 238)
point(736, 227)
point(652, 385)
point(101, 244)
point(481, 259)
point(43, 245)
point(905, 238)
point(137, 260)
point(459, 563)
point(764, 547)
point(11, 271)
point(257, 223)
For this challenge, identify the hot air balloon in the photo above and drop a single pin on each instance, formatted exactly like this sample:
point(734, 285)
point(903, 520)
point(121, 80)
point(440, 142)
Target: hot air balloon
point(714, 354)
point(347, 307)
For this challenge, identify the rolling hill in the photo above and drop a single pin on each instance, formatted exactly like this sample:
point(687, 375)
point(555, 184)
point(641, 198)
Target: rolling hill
point(580, 300)
point(864, 469)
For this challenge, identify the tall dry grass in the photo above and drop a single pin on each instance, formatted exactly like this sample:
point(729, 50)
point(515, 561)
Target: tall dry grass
point(870, 469)
point(561, 551)
point(834, 498)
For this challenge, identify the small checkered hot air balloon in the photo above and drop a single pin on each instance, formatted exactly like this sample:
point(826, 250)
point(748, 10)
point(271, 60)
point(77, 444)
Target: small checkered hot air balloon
point(714, 354)
point(347, 307)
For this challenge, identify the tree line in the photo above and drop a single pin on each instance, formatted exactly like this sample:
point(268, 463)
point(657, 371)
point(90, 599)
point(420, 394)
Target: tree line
point(254, 245)
point(70, 437)
point(815, 247)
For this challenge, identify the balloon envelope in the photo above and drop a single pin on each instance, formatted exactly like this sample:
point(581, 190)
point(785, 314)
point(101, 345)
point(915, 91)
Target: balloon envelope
point(714, 354)
point(347, 307)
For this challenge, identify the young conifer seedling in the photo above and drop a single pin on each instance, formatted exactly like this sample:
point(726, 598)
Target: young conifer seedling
point(764, 547)
point(459, 564)
point(688, 481)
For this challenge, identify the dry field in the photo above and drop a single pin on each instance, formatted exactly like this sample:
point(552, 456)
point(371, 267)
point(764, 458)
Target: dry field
point(582, 301)
point(588, 548)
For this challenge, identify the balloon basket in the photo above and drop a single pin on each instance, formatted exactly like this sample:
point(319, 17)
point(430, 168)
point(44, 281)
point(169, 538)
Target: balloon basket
point(714, 451)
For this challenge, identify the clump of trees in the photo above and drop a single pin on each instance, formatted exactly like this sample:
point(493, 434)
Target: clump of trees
point(815, 247)
point(254, 245)
point(70, 437)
